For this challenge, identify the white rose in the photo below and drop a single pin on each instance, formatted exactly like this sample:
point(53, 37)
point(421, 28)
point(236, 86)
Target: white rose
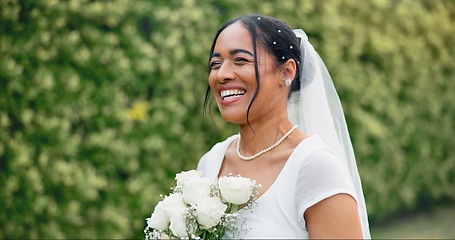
point(184, 176)
point(209, 211)
point(159, 220)
point(236, 190)
point(172, 204)
point(178, 225)
point(196, 188)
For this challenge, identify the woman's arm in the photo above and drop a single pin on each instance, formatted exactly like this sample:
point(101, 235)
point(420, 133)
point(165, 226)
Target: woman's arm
point(334, 217)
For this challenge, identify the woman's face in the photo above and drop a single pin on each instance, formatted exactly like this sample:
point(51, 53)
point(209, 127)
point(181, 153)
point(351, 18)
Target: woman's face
point(232, 77)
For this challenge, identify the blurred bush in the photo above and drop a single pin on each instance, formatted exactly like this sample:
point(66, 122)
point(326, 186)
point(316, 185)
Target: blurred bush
point(101, 103)
point(99, 108)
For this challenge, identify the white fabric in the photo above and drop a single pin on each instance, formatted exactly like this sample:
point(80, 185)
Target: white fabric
point(316, 109)
point(311, 174)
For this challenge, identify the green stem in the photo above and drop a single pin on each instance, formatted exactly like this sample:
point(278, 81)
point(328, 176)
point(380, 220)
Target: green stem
point(233, 208)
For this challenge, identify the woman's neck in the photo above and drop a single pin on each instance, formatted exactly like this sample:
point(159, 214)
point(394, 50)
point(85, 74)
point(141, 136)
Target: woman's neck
point(262, 134)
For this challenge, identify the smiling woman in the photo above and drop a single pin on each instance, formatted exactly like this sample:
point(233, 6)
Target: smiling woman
point(258, 69)
point(235, 56)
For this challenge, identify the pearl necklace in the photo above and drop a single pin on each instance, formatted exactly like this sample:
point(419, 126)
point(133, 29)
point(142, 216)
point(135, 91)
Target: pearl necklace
point(265, 150)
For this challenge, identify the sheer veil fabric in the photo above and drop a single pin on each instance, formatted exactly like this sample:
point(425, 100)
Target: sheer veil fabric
point(317, 110)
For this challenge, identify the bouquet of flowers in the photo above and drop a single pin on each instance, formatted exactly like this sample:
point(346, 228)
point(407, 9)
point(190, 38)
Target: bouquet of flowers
point(200, 208)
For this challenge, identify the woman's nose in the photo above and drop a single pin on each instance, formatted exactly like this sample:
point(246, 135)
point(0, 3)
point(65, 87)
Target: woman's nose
point(225, 73)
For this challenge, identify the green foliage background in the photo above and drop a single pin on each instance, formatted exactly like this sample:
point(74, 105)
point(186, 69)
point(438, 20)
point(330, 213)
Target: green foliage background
point(74, 162)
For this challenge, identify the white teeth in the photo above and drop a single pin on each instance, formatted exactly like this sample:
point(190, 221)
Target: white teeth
point(231, 93)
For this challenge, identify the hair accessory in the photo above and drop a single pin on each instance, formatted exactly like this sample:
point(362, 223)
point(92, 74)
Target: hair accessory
point(283, 57)
point(279, 30)
point(291, 47)
point(287, 82)
point(316, 108)
point(274, 42)
point(259, 18)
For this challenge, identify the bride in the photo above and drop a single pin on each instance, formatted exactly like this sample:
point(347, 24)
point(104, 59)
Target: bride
point(292, 138)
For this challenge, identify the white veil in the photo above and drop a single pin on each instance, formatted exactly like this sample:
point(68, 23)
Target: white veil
point(316, 109)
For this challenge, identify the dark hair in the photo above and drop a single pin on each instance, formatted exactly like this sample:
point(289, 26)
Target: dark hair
point(275, 36)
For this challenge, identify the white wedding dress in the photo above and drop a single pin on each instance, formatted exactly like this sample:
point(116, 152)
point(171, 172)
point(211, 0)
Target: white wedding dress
point(312, 173)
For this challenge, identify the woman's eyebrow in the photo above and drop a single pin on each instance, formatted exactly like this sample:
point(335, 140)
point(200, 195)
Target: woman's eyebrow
point(233, 52)
point(239, 50)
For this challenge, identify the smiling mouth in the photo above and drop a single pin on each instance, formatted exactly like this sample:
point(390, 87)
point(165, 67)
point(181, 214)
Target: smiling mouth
point(231, 94)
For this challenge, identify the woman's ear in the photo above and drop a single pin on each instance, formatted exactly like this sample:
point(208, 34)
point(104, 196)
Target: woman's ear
point(289, 69)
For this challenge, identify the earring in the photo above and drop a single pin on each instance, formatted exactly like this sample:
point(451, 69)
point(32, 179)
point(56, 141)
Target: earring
point(287, 82)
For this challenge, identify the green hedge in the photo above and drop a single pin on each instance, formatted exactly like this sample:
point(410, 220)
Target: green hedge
point(101, 103)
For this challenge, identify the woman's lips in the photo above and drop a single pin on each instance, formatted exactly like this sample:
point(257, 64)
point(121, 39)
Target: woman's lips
point(231, 94)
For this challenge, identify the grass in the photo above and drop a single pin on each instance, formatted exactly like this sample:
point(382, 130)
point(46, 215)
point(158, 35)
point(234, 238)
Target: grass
point(437, 223)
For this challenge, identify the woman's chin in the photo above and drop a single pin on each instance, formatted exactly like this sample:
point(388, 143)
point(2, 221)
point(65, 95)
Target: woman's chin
point(236, 118)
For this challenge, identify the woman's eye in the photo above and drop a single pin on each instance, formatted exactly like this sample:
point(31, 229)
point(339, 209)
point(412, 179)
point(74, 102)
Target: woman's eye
point(215, 65)
point(241, 60)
